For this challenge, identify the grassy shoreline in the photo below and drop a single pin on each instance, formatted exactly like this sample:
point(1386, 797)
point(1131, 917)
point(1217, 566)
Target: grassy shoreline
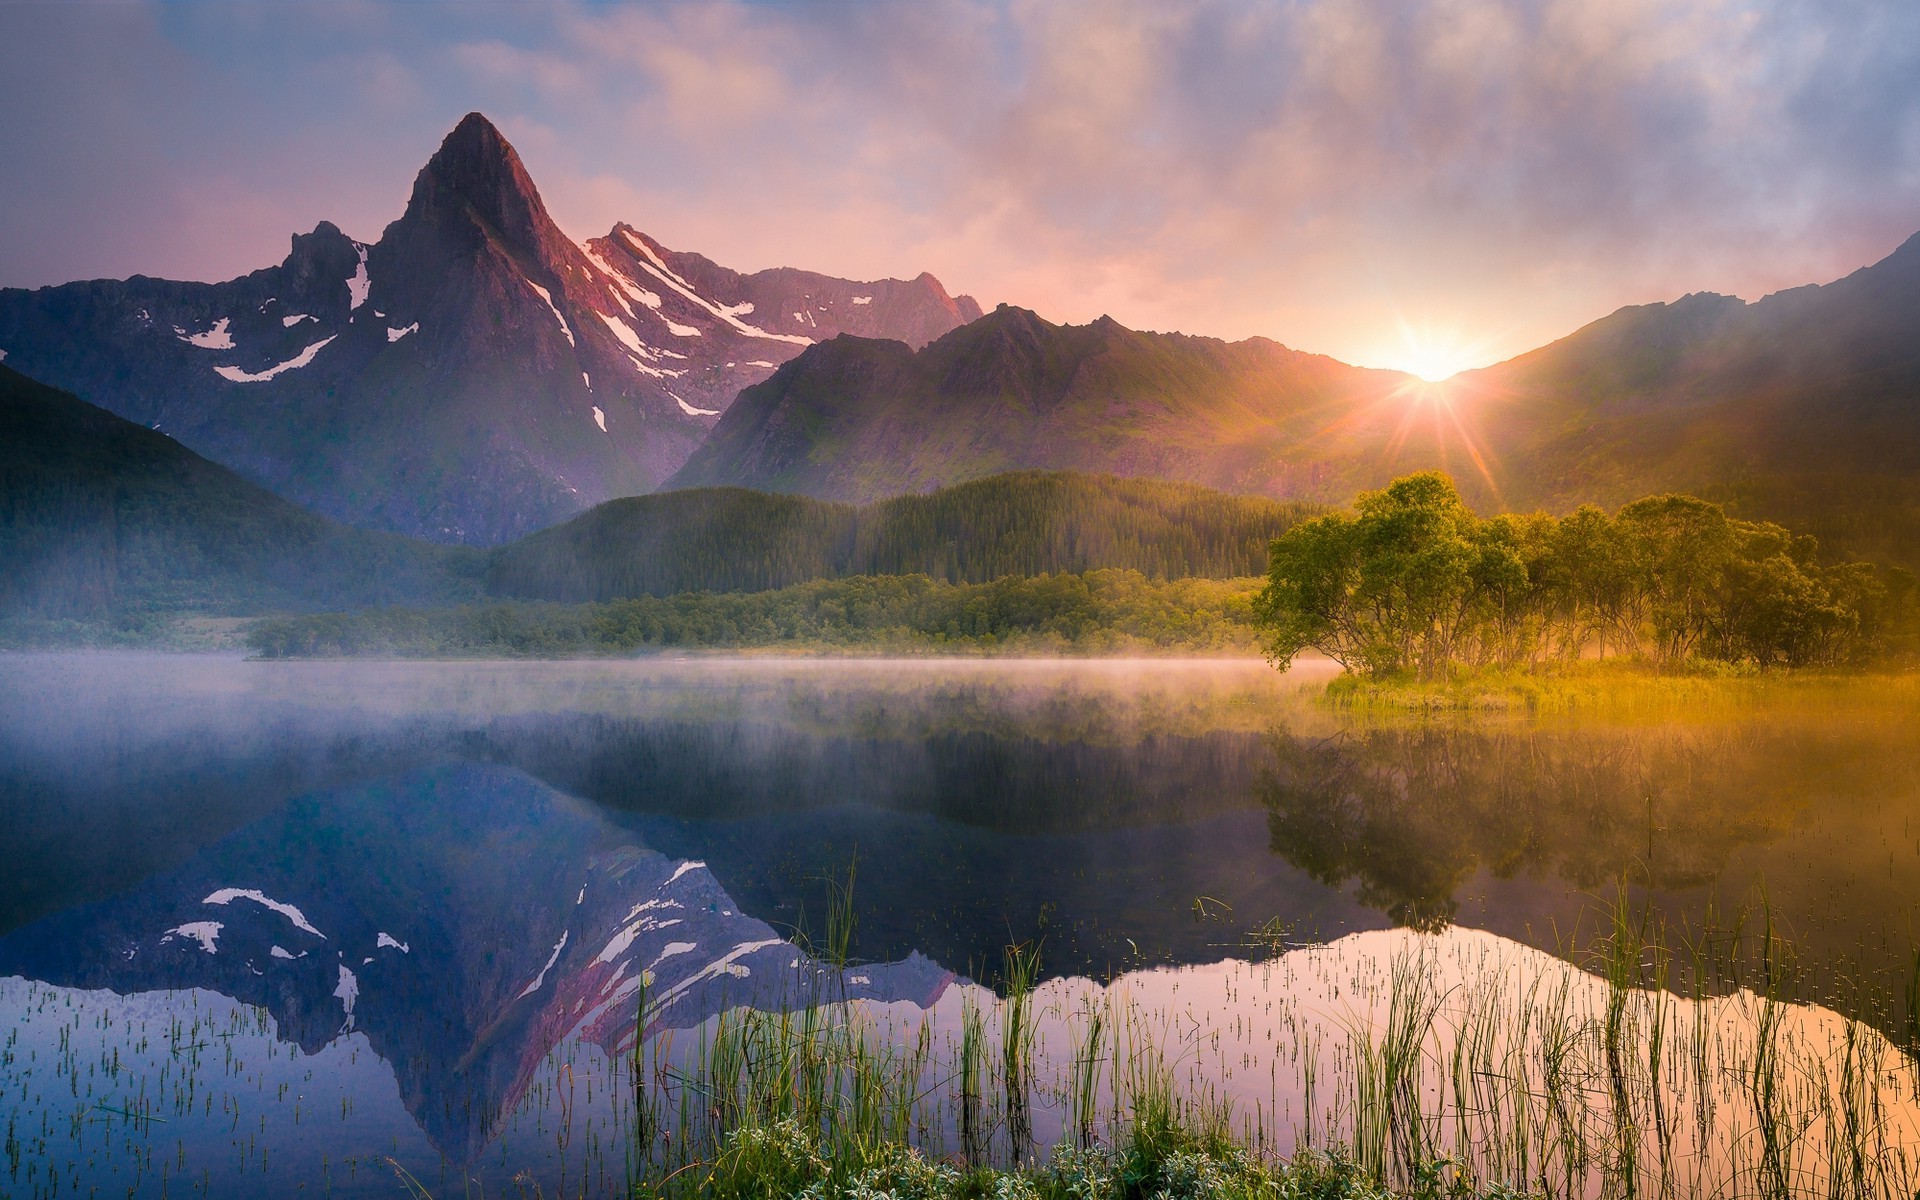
point(1613, 686)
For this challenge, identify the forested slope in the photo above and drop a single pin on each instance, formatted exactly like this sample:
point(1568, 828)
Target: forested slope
point(1022, 523)
point(99, 515)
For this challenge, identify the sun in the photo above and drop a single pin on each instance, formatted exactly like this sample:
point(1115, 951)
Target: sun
point(1433, 352)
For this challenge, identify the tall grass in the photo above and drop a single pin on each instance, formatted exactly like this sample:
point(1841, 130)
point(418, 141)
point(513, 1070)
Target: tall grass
point(1452, 1066)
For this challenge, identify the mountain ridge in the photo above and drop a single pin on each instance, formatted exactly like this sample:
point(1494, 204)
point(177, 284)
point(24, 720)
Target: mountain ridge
point(472, 375)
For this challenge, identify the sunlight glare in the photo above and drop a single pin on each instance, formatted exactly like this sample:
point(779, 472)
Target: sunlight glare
point(1433, 352)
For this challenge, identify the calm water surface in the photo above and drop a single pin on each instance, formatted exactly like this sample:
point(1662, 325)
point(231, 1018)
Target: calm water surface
point(294, 928)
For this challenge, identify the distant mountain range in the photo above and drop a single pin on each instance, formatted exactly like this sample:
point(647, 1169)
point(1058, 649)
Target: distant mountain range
point(471, 376)
point(1803, 406)
point(475, 376)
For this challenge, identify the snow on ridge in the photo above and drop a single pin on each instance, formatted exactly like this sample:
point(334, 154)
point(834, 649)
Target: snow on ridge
point(670, 950)
point(361, 283)
point(216, 338)
point(600, 419)
point(621, 330)
point(743, 309)
point(227, 896)
point(691, 411)
point(394, 335)
point(727, 313)
point(548, 297)
point(759, 362)
point(283, 953)
point(863, 299)
point(692, 864)
point(724, 965)
point(386, 939)
point(204, 932)
point(553, 958)
point(296, 318)
point(656, 372)
point(293, 364)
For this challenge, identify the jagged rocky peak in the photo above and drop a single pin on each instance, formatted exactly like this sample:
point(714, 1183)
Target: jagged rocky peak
point(478, 170)
point(321, 261)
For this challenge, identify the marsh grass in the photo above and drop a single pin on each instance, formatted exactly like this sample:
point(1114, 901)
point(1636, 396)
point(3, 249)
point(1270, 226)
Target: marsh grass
point(1444, 1071)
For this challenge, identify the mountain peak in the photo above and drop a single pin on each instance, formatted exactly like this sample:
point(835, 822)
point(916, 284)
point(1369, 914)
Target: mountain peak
point(477, 169)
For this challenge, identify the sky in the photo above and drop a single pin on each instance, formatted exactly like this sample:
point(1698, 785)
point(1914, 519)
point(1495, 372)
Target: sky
point(1422, 184)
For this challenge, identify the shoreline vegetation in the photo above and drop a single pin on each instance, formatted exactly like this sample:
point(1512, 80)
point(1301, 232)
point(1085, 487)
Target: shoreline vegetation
point(1667, 1064)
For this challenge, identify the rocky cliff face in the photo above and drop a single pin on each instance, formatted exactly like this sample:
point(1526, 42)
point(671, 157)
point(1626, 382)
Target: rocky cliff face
point(472, 375)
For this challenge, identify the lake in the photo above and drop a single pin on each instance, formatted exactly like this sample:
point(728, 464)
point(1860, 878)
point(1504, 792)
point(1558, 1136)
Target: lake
point(360, 928)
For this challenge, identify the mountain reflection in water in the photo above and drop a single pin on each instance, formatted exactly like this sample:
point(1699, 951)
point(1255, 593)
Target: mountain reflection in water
point(460, 871)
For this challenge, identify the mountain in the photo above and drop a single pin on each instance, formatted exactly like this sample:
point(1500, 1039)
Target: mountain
point(98, 514)
point(1023, 523)
point(1802, 407)
point(857, 418)
point(472, 375)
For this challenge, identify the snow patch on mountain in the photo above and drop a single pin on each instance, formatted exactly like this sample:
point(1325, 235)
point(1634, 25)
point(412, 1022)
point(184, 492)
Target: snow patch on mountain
point(296, 318)
point(204, 932)
point(548, 297)
point(360, 283)
point(863, 299)
point(394, 335)
point(691, 411)
point(679, 330)
point(216, 338)
point(599, 418)
point(386, 940)
point(624, 333)
point(659, 269)
point(347, 991)
point(293, 364)
point(227, 896)
point(541, 978)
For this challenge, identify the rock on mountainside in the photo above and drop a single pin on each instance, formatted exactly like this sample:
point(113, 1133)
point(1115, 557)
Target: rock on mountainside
point(858, 419)
point(473, 375)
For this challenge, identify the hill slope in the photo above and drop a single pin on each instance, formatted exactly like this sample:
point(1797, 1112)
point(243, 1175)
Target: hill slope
point(854, 419)
point(471, 376)
point(1802, 407)
point(99, 515)
point(1028, 523)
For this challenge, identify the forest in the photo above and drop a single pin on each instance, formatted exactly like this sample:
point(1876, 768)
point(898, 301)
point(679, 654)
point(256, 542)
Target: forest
point(1094, 612)
point(1413, 582)
point(1020, 523)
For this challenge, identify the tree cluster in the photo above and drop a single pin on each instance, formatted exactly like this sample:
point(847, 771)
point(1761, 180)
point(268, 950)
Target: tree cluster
point(1413, 582)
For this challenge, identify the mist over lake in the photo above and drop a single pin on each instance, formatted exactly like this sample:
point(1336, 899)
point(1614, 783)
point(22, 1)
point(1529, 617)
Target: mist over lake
point(394, 905)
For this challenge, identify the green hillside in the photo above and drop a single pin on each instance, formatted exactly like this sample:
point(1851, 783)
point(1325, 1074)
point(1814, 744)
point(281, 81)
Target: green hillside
point(100, 517)
point(1022, 523)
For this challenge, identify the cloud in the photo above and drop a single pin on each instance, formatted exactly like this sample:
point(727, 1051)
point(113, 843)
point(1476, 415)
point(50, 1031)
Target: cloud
point(1324, 173)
